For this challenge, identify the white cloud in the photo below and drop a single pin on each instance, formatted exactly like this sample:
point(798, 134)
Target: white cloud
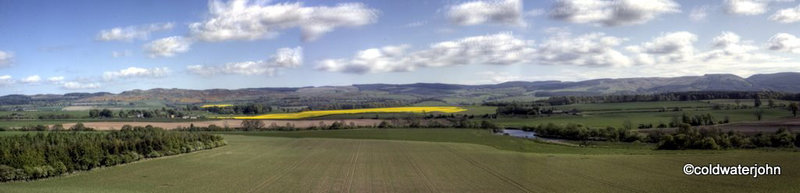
point(117, 54)
point(784, 42)
point(168, 47)
point(673, 47)
point(284, 58)
point(6, 80)
point(728, 46)
point(612, 12)
point(535, 12)
point(507, 12)
point(245, 20)
point(496, 49)
point(499, 77)
point(56, 79)
point(386, 59)
point(132, 32)
point(5, 58)
point(136, 72)
point(677, 50)
point(748, 7)
point(594, 49)
point(79, 86)
point(699, 13)
point(31, 79)
point(789, 15)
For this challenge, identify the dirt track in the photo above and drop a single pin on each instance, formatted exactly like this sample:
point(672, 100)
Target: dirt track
point(223, 123)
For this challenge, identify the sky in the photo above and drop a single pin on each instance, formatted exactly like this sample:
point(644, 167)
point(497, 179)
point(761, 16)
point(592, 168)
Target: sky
point(55, 47)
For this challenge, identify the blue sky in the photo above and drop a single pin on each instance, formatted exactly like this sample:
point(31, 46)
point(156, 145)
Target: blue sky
point(90, 46)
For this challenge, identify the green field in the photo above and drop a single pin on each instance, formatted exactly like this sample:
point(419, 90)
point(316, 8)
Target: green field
point(633, 106)
point(617, 118)
point(300, 164)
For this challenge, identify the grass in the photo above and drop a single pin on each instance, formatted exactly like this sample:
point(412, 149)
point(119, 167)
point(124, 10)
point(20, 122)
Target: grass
point(748, 102)
point(269, 164)
point(309, 114)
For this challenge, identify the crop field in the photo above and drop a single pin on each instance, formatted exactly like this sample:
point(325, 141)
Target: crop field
point(309, 114)
point(271, 164)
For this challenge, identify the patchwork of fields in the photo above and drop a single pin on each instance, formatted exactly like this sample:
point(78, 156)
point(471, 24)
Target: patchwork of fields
point(309, 114)
point(270, 164)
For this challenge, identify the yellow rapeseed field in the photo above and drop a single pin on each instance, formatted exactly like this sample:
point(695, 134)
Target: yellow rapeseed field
point(307, 114)
point(217, 105)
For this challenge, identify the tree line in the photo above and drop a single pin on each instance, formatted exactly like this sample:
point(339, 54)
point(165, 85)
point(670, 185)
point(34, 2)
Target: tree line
point(693, 138)
point(41, 155)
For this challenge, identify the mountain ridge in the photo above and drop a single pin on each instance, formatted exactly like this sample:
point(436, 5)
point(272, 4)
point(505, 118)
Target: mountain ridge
point(778, 82)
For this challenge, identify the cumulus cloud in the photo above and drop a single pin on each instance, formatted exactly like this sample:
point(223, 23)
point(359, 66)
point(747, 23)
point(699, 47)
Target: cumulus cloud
point(284, 58)
point(784, 42)
point(136, 72)
point(72, 85)
point(594, 49)
point(56, 79)
point(168, 47)
point(132, 32)
point(31, 79)
point(699, 13)
point(748, 7)
point(5, 58)
point(668, 48)
point(506, 12)
point(789, 15)
point(496, 49)
point(6, 80)
point(729, 46)
point(612, 12)
point(245, 20)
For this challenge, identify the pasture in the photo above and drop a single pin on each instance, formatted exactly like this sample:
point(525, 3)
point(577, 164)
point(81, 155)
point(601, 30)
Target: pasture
point(278, 164)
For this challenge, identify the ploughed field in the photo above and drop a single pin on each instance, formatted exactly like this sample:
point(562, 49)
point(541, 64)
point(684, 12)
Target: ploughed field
point(421, 160)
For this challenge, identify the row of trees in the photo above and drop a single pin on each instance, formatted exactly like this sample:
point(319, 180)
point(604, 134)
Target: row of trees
point(34, 156)
point(136, 113)
point(579, 132)
point(259, 125)
point(674, 96)
point(692, 138)
point(56, 127)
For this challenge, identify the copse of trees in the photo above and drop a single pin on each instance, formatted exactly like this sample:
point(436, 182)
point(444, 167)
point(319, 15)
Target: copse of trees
point(521, 109)
point(696, 120)
point(41, 155)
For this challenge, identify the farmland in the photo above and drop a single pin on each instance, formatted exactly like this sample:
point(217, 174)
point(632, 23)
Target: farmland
point(270, 164)
point(309, 114)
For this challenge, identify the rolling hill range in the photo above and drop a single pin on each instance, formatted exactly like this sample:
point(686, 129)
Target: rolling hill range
point(451, 93)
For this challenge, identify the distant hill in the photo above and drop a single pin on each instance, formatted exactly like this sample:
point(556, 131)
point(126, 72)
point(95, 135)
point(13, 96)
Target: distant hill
point(779, 82)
